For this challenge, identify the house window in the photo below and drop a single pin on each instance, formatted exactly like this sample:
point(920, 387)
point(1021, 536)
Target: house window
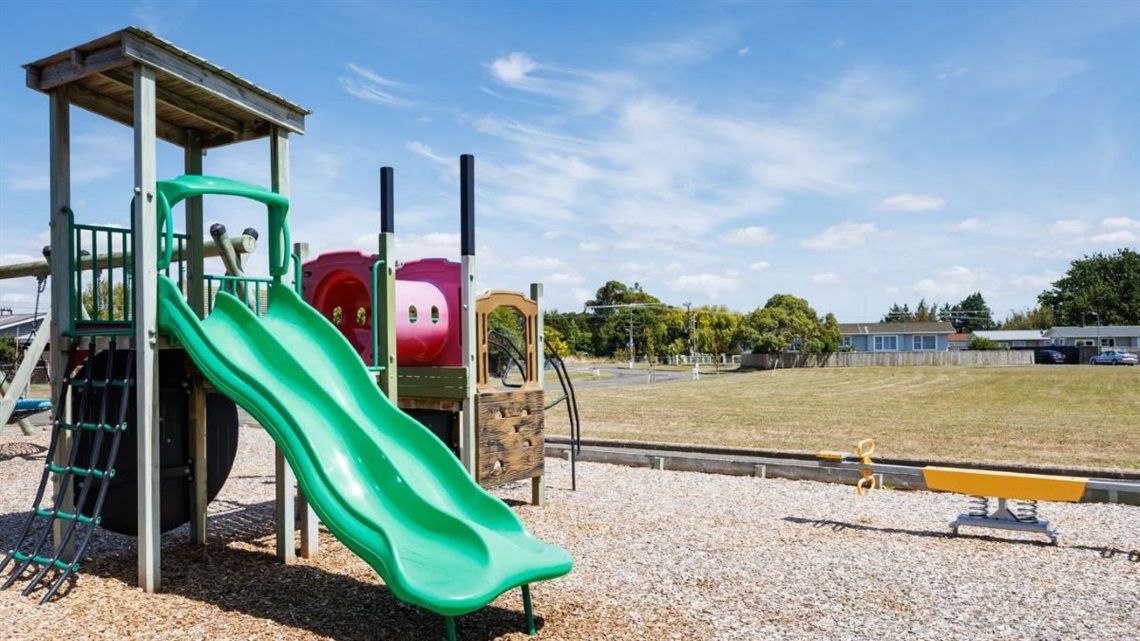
point(1019, 343)
point(923, 343)
point(1108, 342)
point(886, 343)
point(1082, 342)
point(849, 341)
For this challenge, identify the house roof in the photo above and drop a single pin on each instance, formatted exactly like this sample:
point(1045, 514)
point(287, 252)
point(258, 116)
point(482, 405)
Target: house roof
point(960, 337)
point(848, 329)
point(1090, 331)
point(1011, 334)
point(8, 321)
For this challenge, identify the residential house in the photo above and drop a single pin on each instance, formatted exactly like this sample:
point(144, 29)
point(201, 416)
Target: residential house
point(19, 326)
point(1016, 338)
point(959, 341)
point(1102, 336)
point(896, 337)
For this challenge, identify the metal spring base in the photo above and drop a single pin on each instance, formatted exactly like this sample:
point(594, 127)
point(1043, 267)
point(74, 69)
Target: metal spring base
point(1022, 518)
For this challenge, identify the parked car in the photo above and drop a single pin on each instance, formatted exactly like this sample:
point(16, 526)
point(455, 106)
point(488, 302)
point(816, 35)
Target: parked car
point(1114, 357)
point(1048, 356)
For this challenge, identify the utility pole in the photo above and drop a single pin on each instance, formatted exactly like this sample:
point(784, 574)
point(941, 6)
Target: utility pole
point(692, 320)
point(629, 306)
point(631, 339)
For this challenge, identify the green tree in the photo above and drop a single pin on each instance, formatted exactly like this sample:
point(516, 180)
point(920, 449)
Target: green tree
point(1097, 285)
point(787, 322)
point(555, 340)
point(623, 314)
point(717, 330)
point(1036, 318)
point(971, 314)
point(109, 304)
point(8, 352)
point(898, 314)
point(574, 328)
point(979, 343)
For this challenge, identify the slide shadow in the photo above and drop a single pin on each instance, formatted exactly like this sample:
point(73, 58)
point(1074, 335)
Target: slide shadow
point(839, 526)
point(254, 583)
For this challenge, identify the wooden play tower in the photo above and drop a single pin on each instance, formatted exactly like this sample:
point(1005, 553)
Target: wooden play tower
point(163, 93)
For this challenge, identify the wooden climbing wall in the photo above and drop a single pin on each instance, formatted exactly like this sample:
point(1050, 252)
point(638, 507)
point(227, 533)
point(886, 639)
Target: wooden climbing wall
point(510, 436)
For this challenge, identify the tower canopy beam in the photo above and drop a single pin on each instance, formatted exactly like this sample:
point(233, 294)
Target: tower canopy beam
point(190, 92)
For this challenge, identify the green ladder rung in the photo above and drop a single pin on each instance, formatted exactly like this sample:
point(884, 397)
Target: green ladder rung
point(71, 427)
point(98, 382)
point(65, 516)
point(43, 560)
point(79, 471)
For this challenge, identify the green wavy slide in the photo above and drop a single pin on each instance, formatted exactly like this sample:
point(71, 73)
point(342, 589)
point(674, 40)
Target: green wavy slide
point(384, 485)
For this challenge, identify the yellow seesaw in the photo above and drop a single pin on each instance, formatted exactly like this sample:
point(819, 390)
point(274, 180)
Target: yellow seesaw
point(1016, 493)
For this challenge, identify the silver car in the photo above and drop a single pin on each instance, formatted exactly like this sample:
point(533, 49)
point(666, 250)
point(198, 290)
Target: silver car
point(1114, 357)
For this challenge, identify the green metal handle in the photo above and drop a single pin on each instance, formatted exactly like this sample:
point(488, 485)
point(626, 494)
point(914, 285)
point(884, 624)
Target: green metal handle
point(376, 306)
point(165, 231)
point(279, 244)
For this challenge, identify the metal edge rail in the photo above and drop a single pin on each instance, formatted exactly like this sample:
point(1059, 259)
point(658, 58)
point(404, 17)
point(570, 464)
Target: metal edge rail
point(1121, 486)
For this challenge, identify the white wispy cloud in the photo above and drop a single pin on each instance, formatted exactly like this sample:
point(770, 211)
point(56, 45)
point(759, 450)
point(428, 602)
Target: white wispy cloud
point(710, 285)
point(366, 84)
point(912, 202)
point(759, 265)
point(1122, 237)
point(952, 284)
point(743, 51)
point(971, 224)
point(952, 72)
point(560, 278)
point(1121, 222)
point(841, 236)
point(825, 278)
point(695, 46)
point(95, 156)
point(752, 236)
point(1037, 281)
point(584, 92)
point(590, 246)
point(421, 149)
point(1068, 227)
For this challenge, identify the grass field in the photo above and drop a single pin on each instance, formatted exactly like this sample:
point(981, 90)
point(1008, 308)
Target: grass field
point(1079, 416)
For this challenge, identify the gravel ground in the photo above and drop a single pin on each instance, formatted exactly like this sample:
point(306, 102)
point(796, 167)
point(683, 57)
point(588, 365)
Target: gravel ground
point(659, 555)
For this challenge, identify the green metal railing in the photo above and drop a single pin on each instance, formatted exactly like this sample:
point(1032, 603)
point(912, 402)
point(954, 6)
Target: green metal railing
point(249, 289)
point(103, 303)
point(105, 298)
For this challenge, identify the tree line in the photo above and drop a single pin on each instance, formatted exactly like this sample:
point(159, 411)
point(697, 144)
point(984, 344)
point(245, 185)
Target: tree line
point(622, 320)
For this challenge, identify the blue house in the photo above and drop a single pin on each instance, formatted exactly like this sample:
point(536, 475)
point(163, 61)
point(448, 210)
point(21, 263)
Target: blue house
point(896, 337)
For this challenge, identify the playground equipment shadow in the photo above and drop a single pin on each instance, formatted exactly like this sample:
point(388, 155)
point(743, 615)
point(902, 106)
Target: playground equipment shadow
point(237, 572)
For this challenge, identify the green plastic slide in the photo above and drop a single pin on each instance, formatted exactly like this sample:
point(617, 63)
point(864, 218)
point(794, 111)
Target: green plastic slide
point(383, 484)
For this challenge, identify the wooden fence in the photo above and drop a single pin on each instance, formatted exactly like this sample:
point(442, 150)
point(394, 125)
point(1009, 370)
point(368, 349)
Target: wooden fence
point(997, 358)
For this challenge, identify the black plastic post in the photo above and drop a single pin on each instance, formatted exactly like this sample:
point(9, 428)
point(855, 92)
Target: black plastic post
point(387, 204)
point(467, 204)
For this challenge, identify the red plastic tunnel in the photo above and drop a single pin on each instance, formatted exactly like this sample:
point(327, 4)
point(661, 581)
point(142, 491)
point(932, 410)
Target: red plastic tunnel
point(339, 285)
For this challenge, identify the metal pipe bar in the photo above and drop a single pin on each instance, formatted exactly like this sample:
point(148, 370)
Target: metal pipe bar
point(240, 244)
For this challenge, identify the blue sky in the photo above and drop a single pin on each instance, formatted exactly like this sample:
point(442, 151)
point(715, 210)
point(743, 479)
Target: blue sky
point(853, 154)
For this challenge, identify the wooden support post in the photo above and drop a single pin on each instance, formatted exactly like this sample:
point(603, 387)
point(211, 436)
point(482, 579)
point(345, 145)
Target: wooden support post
point(538, 483)
point(196, 295)
point(386, 297)
point(310, 535)
point(145, 240)
point(286, 514)
point(61, 295)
